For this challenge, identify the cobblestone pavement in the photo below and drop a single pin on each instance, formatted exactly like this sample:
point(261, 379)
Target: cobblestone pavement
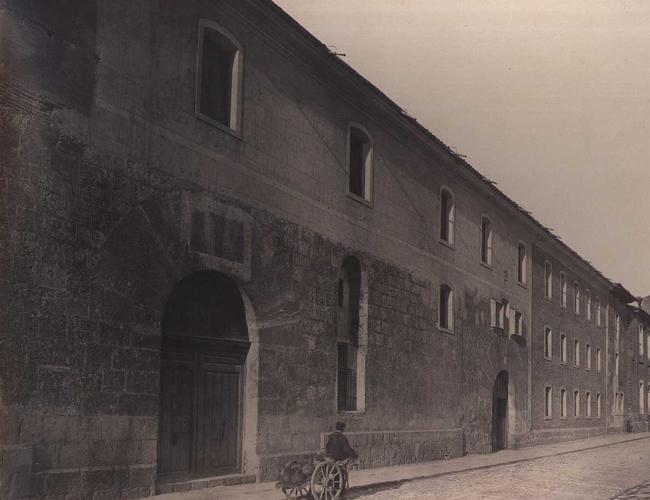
point(621, 471)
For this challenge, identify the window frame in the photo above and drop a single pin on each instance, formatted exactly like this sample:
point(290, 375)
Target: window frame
point(598, 414)
point(488, 245)
point(563, 403)
point(576, 404)
point(576, 298)
point(588, 314)
point(237, 83)
point(369, 168)
point(450, 308)
point(450, 219)
point(588, 404)
point(548, 402)
point(548, 343)
point(598, 359)
point(576, 353)
point(588, 357)
point(598, 312)
point(563, 290)
point(564, 348)
point(548, 280)
point(522, 264)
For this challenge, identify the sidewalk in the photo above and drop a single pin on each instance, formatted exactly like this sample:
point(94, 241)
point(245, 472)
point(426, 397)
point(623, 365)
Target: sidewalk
point(363, 479)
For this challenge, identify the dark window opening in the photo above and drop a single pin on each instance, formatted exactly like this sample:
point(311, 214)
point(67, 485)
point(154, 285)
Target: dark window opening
point(359, 163)
point(349, 292)
point(218, 57)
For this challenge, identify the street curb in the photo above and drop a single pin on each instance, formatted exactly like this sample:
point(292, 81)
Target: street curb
point(382, 485)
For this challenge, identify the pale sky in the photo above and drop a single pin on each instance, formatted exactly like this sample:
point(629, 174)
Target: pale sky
point(550, 99)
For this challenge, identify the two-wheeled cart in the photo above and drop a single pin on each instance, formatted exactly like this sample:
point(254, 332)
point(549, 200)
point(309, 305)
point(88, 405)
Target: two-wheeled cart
point(314, 477)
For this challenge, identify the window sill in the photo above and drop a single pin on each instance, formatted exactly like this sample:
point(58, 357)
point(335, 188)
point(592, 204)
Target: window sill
point(224, 128)
point(547, 358)
point(449, 245)
point(563, 363)
point(550, 299)
point(445, 330)
point(350, 413)
point(522, 284)
point(563, 418)
point(360, 199)
point(548, 417)
point(486, 265)
point(563, 306)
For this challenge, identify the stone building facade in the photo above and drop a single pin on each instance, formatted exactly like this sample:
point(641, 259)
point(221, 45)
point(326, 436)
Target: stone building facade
point(218, 239)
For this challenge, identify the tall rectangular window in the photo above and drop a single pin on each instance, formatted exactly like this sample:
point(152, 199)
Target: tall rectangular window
point(563, 404)
point(519, 323)
point(360, 163)
point(641, 340)
point(641, 397)
point(588, 356)
point(548, 402)
point(617, 329)
point(447, 216)
point(548, 280)
point(616, 364)
point(588, 294)
point(446, 308)
point(588, 403)
point(598, 360)
point(521, 264)
point(563, 348)
point(576, 404)
point(548, 343)
point(576, 353)
point(576, 298)
point(598, 317)
point(598, 405)
point(219, 77)
point(563, 291)
point(486, 241)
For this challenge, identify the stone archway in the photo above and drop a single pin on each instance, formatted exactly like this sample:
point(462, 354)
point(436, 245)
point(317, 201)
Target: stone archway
point(203, 355)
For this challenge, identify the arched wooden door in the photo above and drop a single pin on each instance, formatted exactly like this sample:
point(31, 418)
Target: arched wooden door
point(205, 342)
point(500, 412)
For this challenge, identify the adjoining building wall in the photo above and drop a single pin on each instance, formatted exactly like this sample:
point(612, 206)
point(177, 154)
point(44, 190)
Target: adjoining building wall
point(549, 312)
point(110, 183)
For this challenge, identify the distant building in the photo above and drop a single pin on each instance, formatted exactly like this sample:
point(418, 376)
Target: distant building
point(218, 239)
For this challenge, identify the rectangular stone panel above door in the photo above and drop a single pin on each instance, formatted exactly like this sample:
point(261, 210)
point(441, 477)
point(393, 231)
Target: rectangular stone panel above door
point(218, 234)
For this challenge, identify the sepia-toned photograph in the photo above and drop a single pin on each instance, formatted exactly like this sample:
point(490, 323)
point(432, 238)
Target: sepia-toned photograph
point(324, 249)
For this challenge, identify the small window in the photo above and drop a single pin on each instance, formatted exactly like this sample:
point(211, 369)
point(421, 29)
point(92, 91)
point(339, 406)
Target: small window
point(588, 295)
point(588, 356)
point(519, 324)
point(597, 360)
point(576, 403)
point(563, 404)
point(588, 403)
point(446, 308)
point(598, 405)
point(598, 317)
point(548, 280)
point(622, 410)
point(548, 343)
point(576, 353)
point(486, 241)
point(563, 292)
point(521, 264)
point(447, 216)
point(498, 312)
point(360, 163)
point(548, 402)
point(648, 346)
point(617, 328)
point(576, 298)
point(641, 340)
point(641, 397)
point(616, 364)
point(563, 348)
point(219, 82)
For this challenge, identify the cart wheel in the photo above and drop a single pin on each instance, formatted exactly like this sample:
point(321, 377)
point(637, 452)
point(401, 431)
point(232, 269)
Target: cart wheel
point(297, 491)
point(327, 481)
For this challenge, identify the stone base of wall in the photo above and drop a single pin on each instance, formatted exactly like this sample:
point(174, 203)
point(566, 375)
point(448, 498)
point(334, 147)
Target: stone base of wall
point(15, 471)
point(383, 448)
point(548, 436)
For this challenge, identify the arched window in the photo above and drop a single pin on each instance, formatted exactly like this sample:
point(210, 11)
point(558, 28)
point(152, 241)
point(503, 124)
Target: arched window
point(219, 77)
point(360, 163)
point(576, 298)
point(563, 289)
point(447, 215)
point(446, 308)
point(521, 263)
point(548, 280)
point(351, 336)
point(486, 241)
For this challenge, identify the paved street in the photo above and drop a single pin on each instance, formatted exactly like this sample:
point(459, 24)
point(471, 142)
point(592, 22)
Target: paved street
point(604, 472)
